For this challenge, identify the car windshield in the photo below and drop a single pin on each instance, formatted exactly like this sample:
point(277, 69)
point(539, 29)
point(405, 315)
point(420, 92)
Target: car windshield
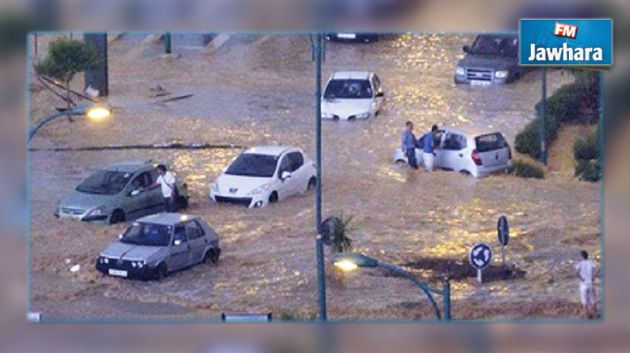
point(104, 182)
point(252, 164)
point(490, 45)
point(352, 89)
point(147, 234)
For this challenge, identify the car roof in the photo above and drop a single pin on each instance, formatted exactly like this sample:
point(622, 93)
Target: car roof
point(128, 166)
point(354, 75)
point(271, 150)
point(168, 219)
point(470, 131)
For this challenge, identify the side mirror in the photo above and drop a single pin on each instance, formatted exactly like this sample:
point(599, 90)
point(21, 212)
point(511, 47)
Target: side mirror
point(466, 48)
point(380, 94)
point(177, 242)
point(134, 192)
point(285, 175)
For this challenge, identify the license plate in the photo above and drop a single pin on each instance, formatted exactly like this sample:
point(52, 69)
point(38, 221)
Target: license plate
point(347, 35)
point(117, 273)
point(480, 83)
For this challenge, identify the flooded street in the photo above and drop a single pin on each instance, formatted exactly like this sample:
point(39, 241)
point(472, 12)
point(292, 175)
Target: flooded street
point(259, 89)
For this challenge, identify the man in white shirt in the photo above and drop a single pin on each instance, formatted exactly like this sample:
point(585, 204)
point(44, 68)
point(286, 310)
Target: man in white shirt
point(169, 188)
point(585, 270)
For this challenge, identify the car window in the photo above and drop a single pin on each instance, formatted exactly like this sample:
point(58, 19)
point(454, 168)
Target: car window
point(348, 89)
point(180, 233)
point(490, 142)
point(153, 175)
point(147, 234)
point(296, 160)
point(194, 230)
point(285, 165)
point(141, 181)
point(454, 142)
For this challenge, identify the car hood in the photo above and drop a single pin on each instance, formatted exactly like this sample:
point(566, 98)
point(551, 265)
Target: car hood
point(346, 107)
point(488, 62)
point(84, 201)
point(124, 251)
point(239, 186)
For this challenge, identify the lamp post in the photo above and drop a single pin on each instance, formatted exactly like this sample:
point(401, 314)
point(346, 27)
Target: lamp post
point(95, 112)
point(348, 262)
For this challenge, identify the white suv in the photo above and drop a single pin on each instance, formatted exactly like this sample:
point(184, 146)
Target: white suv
point(351, 95)
point(476, 154)
point(263, 175)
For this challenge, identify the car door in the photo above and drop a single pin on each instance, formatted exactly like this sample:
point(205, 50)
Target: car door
point(196, 240)
point(299, 172)
point(493, 149)
point(285, 185)
point(137, 199)
point(378, 93)
point(452, 155)
point(179, 249)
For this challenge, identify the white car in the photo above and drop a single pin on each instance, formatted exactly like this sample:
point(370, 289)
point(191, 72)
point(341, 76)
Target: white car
point(351, 95)
point(476, 154)
point(263, 175)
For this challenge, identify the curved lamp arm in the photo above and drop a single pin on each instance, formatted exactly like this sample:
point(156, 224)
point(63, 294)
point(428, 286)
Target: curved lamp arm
point(51, 118)
point(425, 288)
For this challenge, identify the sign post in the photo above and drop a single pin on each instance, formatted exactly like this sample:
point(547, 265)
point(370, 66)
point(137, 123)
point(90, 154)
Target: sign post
point(479, 257)
point(503, 231)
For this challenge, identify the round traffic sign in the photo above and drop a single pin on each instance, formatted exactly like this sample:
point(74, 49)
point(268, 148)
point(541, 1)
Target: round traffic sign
point(503, 230)
point(480, 256)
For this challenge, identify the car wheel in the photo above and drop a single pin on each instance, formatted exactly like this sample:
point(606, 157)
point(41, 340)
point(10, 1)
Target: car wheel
point(273, 198)
point(161, 272)
point(181, 203)
point(312, 183)
point(212, 256)
point(117, 216)
point(465, 172)
point(400, 162)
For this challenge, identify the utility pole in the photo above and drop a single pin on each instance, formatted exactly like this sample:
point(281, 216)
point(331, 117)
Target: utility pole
point(98, 77)
point(167, 43)
point(543, 122)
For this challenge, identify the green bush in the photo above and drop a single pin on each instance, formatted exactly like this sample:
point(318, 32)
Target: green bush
point(526, 170)
point(576, 102)
point(528, 140)
point(588, 148)
point(588, 170)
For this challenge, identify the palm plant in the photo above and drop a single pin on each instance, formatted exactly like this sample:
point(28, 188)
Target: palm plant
point(341, 242)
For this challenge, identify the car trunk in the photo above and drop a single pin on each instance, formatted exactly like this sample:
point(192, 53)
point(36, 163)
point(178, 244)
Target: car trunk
point(492, 149)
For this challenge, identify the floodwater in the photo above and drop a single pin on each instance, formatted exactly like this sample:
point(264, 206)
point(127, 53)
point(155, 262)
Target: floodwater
point(260, 90)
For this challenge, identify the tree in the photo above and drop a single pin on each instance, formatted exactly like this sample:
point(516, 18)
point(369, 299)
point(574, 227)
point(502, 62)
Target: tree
point(66, 58)
point(341, 242)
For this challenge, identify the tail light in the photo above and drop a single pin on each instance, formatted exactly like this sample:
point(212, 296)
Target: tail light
point(509, 152)
point(475, 157)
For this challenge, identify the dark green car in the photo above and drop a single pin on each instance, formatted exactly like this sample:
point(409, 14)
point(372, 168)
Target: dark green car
point(117, 193)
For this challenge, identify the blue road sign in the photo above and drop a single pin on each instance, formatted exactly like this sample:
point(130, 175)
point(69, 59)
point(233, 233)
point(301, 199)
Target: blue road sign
point(480, 256)
point(503, 230)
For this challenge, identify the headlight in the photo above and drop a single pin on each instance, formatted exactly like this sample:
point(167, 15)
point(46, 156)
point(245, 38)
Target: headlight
point(327, 115)
point(260, 189)
point(362, 115)
point(501, 74)
point(214, 187)
point(97, 211)
point(460, 71)
point(138, 264)
point(103, 260)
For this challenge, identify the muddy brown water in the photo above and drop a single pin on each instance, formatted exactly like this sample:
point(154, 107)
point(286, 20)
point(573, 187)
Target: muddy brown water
point(259, 90)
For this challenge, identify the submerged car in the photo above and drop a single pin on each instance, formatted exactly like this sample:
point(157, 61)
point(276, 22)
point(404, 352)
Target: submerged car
point(352, 37)
point(117, 193)
point(351, 95)
point(492, 58)
point(263, 175)
point(156, 245)
point(472, 153)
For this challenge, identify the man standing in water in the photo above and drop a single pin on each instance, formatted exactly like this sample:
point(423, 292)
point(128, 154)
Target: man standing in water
point(428, 140)
point(408, 145)
point(169, 188)
point(585, 270)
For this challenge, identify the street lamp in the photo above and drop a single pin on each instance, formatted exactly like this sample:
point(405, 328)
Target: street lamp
point(93, 112)
point(349, 262)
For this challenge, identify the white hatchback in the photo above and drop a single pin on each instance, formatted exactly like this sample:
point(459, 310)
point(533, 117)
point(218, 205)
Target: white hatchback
point(476, 154)
point(351, 95)
point(263, 175)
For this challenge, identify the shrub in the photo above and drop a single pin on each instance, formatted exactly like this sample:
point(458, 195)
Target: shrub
point(576, 102)
point(528, 140)
point(588, 170)
point(588, 148)
point(526, 170)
